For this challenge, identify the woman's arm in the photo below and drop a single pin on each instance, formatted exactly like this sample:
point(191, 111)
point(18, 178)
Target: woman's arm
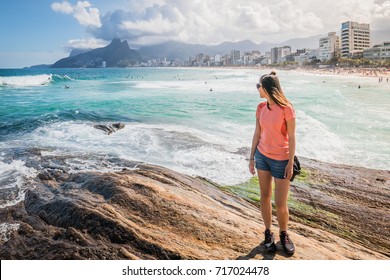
point(291, 146)
point(255, 141)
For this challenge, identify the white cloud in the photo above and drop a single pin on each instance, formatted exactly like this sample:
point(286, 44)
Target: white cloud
point(215, 21)
point(90, 43)
point(83, 11)
point(209, 22)
point(86, 15)
point(63, 7)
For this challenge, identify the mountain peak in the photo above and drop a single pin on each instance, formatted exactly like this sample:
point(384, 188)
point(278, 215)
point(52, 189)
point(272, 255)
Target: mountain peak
point(115, 42)
point(116, 54)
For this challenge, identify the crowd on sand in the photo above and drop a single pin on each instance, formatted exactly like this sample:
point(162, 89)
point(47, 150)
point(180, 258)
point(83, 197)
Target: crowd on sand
point(382, 74)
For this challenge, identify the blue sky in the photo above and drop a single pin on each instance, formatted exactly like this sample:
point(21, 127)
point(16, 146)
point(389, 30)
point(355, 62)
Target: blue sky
point(43, 31)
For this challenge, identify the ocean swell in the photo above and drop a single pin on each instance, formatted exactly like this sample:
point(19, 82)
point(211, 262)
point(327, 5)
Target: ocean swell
point(32, 80)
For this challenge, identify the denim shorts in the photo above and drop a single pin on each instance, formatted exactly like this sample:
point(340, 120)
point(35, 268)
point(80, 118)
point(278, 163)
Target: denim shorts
point(276, 167)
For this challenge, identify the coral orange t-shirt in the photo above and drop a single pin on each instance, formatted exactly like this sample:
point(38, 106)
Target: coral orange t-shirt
point(273, 135)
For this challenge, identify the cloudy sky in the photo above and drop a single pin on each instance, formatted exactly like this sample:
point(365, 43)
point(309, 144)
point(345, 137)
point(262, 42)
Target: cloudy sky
point(34, 32)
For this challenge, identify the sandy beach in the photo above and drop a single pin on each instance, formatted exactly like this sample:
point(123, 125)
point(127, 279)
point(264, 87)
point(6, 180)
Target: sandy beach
point(354, 72)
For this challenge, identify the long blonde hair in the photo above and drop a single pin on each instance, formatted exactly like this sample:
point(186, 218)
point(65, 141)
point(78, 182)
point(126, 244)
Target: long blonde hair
point(270, 83)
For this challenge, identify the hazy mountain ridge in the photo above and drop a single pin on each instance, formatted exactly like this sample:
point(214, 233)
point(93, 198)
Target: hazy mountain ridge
point(118, 54)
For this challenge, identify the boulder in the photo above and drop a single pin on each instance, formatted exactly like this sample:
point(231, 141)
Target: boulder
point(109, 128)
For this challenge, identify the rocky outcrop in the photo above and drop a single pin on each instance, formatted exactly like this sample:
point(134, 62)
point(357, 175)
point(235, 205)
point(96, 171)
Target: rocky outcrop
point(110, 128)
point(148, 212)
point(116, 54)
point(352, 202)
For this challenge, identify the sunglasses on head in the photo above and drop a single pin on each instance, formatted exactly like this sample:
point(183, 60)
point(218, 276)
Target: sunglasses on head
point(258, 86)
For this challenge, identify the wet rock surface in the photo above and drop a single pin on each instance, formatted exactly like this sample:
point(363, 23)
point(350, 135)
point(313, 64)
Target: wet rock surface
point(149, 212)
point(109, 128)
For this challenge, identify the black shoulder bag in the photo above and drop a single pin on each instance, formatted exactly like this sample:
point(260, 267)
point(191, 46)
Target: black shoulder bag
point(296, 168)
point(297, 164)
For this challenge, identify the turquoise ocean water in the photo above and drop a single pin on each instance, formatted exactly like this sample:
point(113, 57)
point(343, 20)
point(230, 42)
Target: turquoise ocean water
point(173, 119)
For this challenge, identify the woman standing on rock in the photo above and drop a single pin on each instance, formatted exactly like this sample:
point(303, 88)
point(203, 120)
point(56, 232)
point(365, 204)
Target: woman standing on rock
point(272, 153)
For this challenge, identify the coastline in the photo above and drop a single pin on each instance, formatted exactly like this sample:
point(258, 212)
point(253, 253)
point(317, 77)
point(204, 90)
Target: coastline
point(350, 72)
point(368, 72)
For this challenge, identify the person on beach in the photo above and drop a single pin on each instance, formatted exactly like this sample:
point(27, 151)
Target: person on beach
point(272, 154)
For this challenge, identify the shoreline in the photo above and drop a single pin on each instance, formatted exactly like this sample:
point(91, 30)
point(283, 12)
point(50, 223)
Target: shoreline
point(376, 72)
point(346, 72)
point(368, 72)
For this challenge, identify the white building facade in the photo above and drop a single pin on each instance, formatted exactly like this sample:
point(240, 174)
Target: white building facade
point(355, 38)
point(329, 47)
point(378, 52)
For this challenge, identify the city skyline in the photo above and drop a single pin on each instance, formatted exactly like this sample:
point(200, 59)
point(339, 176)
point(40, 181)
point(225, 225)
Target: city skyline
point(46, 31)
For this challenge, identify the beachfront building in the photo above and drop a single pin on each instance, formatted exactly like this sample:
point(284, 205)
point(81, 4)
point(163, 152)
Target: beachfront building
point(378, 52)
point(217, 60)
point(265, 60)
point(283, 52)
point(355, 38)
point(236, 57)
point(305, 57)
point(199, 59)
point(251, 57)
point(278, 55)
point(329, 47)
point(274, 55)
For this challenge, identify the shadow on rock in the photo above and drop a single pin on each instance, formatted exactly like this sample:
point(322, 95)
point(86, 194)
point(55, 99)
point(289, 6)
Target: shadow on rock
point(258, 250)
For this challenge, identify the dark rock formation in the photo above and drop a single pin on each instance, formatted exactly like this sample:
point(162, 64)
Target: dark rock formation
point(146, 212)
point(110, 128)
point(116, 54)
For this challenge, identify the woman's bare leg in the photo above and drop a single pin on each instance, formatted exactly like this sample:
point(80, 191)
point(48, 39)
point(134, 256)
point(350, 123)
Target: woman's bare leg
point(265, 182)
point(282, 187)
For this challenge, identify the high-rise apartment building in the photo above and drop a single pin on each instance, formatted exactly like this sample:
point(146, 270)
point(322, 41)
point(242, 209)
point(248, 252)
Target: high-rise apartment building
point(278, 55)
point(355, 38)
point(274, 55)
point(329, 47)
point(236, 57)
point(283, 52)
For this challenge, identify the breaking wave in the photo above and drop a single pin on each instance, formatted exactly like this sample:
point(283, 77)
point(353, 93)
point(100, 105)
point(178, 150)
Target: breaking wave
point(32, 80)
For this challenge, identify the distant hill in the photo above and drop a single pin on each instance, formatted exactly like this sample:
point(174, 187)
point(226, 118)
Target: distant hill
point(173, 50)
point(302, 43)
point(116, 54)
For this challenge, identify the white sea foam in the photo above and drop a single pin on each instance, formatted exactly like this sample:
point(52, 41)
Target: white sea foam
point(316, 141)
point(238, 84)
point(183, 149)
point(13, 178)
point(95, 165)
point(26, 81)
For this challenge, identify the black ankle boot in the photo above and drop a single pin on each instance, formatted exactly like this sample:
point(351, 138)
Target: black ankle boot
point(287, 244)
point(269, 241)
